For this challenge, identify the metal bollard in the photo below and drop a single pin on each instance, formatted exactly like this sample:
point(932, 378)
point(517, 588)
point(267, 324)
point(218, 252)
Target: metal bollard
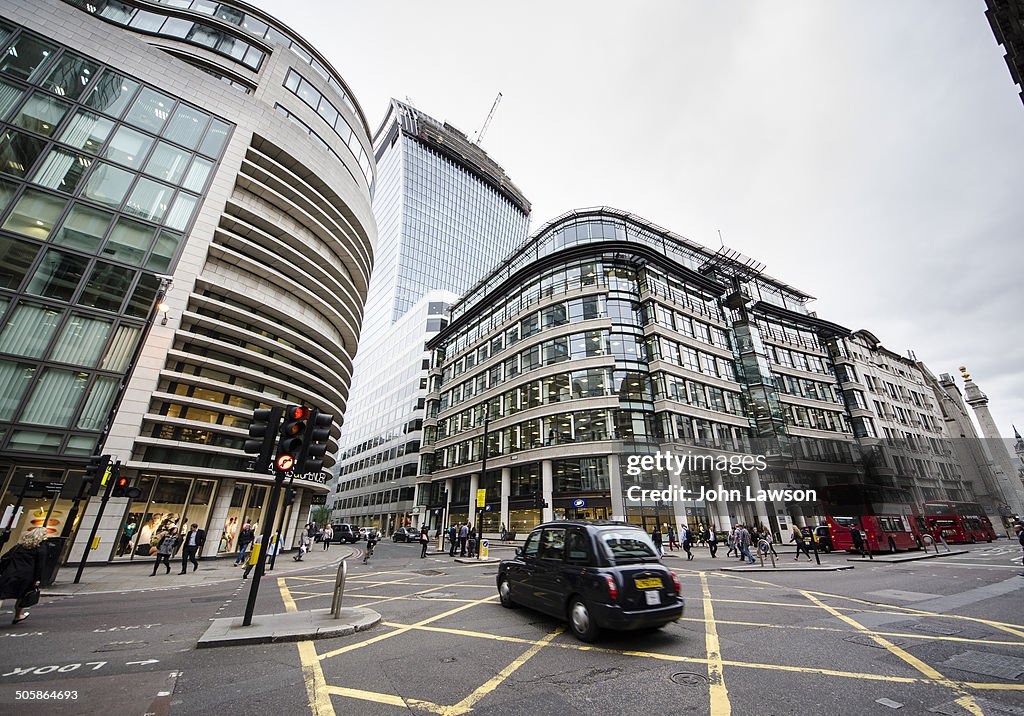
point(339, 589)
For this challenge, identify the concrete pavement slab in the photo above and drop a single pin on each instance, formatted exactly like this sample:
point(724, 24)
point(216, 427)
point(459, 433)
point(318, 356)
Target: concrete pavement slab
point(290, 626)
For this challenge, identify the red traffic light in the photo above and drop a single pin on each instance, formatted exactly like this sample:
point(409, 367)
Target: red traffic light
point(296, 412)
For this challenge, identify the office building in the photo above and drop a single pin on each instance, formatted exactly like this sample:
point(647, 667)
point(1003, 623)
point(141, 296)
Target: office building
point(198, 155)
point(447, 213)
point(606, 338)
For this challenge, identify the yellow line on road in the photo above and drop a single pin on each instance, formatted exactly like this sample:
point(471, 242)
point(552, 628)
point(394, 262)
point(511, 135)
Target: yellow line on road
point(316, 686)
point(927, 637)
point(1015, 629)
point(313, 676)
point(388, 699)
point(467, 703)
point(289, 603)
point(429, 620)
point(720, 705)
point(964, 699)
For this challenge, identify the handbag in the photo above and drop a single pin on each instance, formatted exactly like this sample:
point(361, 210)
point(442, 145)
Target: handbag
point(30, 598)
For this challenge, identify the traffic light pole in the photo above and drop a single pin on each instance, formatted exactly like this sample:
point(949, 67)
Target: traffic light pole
point(280, 524)
point(116, 468)
point(261, 558)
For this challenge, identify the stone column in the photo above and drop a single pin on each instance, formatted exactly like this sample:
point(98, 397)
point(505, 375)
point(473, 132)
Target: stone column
point(109, 531)
point(506, 492)
point(546, 487)
point(761, 508)
point(720, 507)
point(218, 516)
point(615, 485)
point(474, 485)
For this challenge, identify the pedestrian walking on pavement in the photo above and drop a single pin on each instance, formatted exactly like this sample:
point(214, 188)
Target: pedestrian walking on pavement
point(327, 537)
point(686, 535)
point(743, 539)
point(672, 544)
point(797, 536)
point(463, 539)
point(167, 546)
point(21, 572)
point(1020, 538)
point(731, 542)
point(858, 541)
point(254, 555)
point(656, 538)
point(305, 540)
point(246, 536)
point(424, 541)
point(453, 539)
point(192, 543)
point(712, 539)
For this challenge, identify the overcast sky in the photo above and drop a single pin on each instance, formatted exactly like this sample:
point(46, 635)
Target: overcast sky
point(868, 152)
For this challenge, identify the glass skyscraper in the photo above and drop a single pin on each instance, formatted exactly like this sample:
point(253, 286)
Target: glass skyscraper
point(446, 214)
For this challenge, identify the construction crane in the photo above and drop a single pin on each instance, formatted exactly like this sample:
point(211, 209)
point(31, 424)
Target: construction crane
point(487, 122)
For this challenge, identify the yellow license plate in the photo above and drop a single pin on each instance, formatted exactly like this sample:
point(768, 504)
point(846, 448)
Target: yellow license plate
point(648, 583)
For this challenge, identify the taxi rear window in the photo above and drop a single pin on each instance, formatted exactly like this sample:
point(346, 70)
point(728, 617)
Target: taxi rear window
point(627, 545)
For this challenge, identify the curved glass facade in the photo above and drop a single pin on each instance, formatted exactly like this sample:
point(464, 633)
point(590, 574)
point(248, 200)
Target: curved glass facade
point(591, 351)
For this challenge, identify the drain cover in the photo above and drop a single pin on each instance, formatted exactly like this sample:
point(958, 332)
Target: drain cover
point(429, 572)
point(689, 678)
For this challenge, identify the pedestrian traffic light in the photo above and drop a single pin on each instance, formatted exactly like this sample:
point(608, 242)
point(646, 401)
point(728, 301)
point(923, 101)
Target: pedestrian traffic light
point(317, 434)
point(290, 497)
point(94, 472)
point(538, 501)
point(293, 427)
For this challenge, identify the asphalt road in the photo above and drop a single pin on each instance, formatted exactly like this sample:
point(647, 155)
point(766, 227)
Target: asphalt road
point(939, 636)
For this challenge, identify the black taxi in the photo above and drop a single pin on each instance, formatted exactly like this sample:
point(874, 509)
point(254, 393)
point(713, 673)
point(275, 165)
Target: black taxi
point(595, 574)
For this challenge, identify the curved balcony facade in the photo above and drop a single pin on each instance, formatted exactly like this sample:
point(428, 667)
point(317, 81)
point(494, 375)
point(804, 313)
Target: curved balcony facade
point(264, 268)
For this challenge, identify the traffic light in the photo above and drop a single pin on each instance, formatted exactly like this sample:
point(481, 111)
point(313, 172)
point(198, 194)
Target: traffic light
point(121, 488)
point(94, 472)
point(293, 427)
point(289, 498)
point(261, 435)
point(538, 501)
point(317, 434)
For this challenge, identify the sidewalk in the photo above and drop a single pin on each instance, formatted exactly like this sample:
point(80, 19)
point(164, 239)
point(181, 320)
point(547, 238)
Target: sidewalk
point(135, 576)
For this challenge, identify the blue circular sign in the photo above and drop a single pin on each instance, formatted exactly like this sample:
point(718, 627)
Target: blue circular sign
point(579, 502)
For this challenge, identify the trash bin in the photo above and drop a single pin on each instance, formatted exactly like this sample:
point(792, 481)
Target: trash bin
point(54, 548)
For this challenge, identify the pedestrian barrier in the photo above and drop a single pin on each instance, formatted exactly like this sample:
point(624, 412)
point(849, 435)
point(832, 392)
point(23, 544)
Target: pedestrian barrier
point(339, 589)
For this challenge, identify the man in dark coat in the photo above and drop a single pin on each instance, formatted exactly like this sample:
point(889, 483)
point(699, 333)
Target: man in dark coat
point(192, 543)
point(21, 571)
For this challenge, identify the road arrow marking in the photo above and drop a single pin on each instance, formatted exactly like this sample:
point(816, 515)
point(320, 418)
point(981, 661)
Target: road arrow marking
point(142, 663)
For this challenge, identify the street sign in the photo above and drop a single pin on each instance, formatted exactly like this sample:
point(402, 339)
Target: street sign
point(579, 502)
point(50, 488)
point(285, 462)
point(481, 497)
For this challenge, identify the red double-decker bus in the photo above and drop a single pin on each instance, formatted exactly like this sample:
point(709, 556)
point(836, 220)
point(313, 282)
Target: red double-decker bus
point(958, 522)
point(884, 515)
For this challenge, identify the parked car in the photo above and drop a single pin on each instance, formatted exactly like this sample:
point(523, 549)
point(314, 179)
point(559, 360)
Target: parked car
point(595, 574)
point(406, 534)
point(345, 533)
point(821, 535)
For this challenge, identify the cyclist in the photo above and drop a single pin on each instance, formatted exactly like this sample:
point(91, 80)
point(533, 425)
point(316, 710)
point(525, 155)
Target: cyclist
point(372, 537)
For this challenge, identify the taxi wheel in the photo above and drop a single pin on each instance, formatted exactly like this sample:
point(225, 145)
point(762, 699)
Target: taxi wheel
point(581, 621)
point(505, 594)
